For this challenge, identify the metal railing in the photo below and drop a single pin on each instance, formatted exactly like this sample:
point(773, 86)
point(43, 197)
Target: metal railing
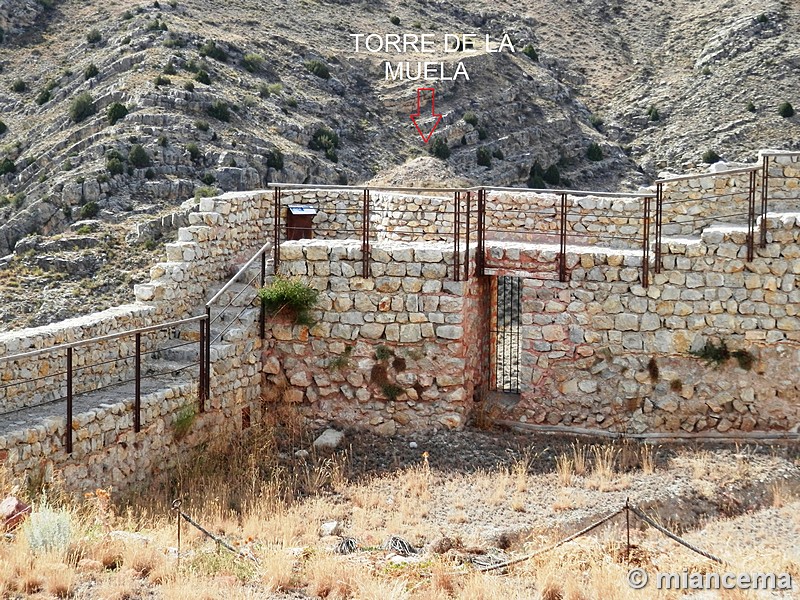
point(71, 371)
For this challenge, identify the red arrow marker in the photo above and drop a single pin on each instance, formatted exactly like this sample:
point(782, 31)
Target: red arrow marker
point(425, 138)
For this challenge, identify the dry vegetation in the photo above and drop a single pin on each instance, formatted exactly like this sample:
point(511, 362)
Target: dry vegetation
point(272, 506)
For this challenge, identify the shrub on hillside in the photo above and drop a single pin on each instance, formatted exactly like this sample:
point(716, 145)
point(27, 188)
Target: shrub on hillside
point(288, 294)
point(594, 152)
point(3, 128)
point(325, 139)
point(471, 118)
point(116, 111)
point(786, 110)
point(94, 36)
point(551, 175)
point(89, 210)
point(439, 148)
point(19, 86)
point(531, 53)
point(483, 157)
point(193, 150)
point(652, 114)
point(211, 50)
point(275, 159)
point(220, 110)
point(318, 68)
point(90, 71)
point(114, 166)
point(710, 157)
point(7, 166)
point(253, 62)
point(82, 107)
point(203, 77)
point(139, 157)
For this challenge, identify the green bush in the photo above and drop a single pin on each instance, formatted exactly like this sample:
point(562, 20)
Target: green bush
point(325, 139)
point(193, 150)
point(253, 62)
point(161, 80)
point(484, 157)
point(596, 121)
point(94, 36)
point(43, 97)
point(710, 157)
point(90, 71)
point(288, 294)
point(750, 107)
point(208, 178)
point(116, 111)
point(498, 154)
point(89, 210)
point(439, 148)
point(318, 68)
point(19, 86)
point(7, 166)
point(220, 110)
point(471, 118)
point(82, 107)
point(211, 50)
point(551, 175)
point(188, 86)
point(202, 76)
point(169, 68)
point(786, 110)
point(482, 133)
point(530, 52)
point(275, 159)
point(3, 128)
point(394, 20)
point(201, 125)
point(594, 152)
point(149, 174)
point(184, 421)
point(652, 114)
point(139, 157)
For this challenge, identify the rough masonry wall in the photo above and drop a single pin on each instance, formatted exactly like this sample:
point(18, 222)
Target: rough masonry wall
point(603, 351)
point(390, 351)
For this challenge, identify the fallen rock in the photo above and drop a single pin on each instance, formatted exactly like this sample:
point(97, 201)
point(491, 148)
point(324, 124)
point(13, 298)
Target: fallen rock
point(329, 440)
point(13, 512)
point(329, 528)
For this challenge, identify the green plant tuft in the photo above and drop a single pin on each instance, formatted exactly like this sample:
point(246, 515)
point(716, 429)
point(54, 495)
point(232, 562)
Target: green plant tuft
point(82, 107)
point(652, 113)
point(90, 71)
point(710, 157)
point(116, 111)
point(19, 86)
point(184, 421)
point(325, 139)
point(392, 391)
point(48, 529)
point(211, 50)
point(288, 294)
point(483, 157)
point(253, 62)
point(786, 110)
point(383, 353)
point(94, 36)
point(471, 118)
point(89, 210)
point(220, 110)
point(439, 148)
point(318, 68)
point(139, 157)
point(594, 152)
point(712, 353)
point(531, 53)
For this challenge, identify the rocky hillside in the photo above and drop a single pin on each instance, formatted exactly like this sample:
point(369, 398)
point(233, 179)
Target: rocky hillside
point(117, 111)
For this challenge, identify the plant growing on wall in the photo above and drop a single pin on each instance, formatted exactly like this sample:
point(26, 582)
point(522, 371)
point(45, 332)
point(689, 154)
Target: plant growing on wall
point(291, 295)
point(719, 354)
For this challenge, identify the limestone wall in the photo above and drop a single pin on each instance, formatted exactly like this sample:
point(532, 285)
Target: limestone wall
point(588, 343)
point(389, 351)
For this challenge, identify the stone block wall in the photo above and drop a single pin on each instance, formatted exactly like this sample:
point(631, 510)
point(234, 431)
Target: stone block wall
point(389, 351)
point(601, 351)
point(784, 179)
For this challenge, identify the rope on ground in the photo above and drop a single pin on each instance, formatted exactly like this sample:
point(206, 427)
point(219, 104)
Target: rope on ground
point(176, 506)
point(583, 531)
point(636, 511)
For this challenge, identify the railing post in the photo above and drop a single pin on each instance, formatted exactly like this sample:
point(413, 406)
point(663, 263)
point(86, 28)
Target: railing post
point(69, 400)
point(137, 399)
point(276, 246)
point(764, 198)
point(365, 249)
point(646, 243)
point(562, 240)
point(456, 236)
point(751, 216)
point(467, 237)
point(480, 259)
point(262, 317)
point(659, 216)
point(201, 386)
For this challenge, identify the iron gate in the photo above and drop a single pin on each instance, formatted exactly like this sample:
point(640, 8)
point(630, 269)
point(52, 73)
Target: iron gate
point(506, 335)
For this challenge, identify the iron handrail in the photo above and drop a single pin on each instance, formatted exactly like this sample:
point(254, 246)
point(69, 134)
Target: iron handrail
point(101, 338)
point(724, 173)
point(233, 279)
point(445, 190)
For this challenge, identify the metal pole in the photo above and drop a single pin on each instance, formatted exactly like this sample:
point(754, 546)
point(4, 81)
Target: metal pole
point(751, 216)
point(208, 353)
point(137, 400)
point(201, 386)
point(365, 250)
point(659, 216)
point(262, 318)
point(646, 243)
point(456, 236)
point(628, 532)
point(480, 259)
point(69, 400)
point(764, 198)
point(466, 252)
point(562, 239)
point(276, 250)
